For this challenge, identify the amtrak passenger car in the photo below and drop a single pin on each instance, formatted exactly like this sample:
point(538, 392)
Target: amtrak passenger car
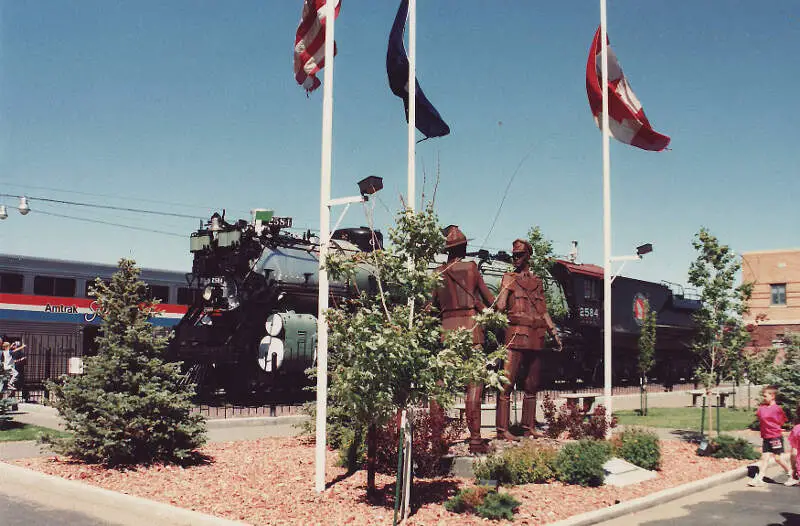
point(46, 304)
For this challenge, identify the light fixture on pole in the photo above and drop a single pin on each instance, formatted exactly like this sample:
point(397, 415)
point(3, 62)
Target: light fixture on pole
point(641, 250)
point(366, 187)
point(23, 206)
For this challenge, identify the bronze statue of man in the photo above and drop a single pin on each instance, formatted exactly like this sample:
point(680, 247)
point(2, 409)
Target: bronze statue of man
point(462, 295)
point(522, 299)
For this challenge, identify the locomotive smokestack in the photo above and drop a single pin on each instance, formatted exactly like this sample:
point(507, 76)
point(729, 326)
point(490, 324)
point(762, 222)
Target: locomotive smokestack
point(573, 253)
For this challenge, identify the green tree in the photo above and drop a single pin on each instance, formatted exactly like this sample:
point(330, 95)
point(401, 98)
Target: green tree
point(129, 406)
point(721, 333)
point(786, 375)
point(541, 262)
point(647, 350)
point(386, 349)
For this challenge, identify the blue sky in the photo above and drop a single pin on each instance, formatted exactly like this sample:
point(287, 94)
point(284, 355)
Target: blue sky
point(193, 104)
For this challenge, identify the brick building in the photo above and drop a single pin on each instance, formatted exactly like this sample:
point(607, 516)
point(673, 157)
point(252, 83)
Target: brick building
point(775, 304)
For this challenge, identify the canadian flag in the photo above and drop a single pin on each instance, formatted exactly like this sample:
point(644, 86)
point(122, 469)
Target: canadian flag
point(627, 122)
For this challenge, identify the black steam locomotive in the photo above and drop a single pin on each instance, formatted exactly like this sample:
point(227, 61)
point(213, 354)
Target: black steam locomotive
point(252, 326)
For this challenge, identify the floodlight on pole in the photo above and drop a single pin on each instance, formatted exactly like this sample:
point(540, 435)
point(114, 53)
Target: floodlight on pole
point(641, 250)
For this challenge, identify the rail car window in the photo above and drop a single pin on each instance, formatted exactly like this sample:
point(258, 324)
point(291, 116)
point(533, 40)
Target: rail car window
point(49, 286)
point(778, 294)
point(187, 296)
point(10, 283)
point(589, 289)
point(90, 284)
point(158, 292)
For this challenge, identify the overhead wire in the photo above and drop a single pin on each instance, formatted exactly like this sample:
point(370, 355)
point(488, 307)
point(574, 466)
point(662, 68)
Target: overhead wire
point(106, 207)
point(113, 196)
point(505, 194)
point(108, 223)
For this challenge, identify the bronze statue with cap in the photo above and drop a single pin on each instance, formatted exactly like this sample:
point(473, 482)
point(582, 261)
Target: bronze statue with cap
point(522, 298)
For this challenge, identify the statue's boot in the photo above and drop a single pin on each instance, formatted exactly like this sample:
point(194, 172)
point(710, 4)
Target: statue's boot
point(472, 407)
point(529, 416)
point(502, 418)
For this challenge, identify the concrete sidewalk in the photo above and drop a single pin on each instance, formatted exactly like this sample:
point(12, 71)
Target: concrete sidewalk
point(109, 507)
point(219, 430)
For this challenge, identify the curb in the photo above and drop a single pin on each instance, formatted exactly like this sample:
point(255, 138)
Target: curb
point(103, 503)
point(252, 421)
point(654, 499)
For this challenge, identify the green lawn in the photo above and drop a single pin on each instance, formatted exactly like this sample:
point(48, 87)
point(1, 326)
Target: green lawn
point(687, 418)
point(15, 431)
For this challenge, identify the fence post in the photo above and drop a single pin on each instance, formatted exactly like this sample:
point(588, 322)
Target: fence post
point(48, 365)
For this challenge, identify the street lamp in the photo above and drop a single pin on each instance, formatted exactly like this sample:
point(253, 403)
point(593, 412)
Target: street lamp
point(641, 250)
point(23, 206)
point(366, 187)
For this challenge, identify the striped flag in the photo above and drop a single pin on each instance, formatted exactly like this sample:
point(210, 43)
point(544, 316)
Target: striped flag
point(626, 119)
point(309, 43)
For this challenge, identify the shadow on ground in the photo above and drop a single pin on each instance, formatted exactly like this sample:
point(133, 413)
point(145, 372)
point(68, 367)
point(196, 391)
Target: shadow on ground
point(422, 492)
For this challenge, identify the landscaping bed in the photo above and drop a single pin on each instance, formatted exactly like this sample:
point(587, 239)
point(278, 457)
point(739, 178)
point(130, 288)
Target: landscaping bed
point(270, 481)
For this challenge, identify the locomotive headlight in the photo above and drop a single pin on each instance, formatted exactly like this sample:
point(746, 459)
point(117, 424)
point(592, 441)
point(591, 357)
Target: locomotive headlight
point(208, 293)
point(274, 324)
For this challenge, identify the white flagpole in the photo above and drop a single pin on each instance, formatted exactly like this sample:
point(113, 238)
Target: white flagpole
point(606, 218)
point(412, 101)
point(324, 234)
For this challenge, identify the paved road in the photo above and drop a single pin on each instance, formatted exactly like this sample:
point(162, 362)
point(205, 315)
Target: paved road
point(16, 512)
point(732, 504)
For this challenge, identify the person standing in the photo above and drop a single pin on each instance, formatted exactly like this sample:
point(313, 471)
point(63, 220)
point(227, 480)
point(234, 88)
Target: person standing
point(770, 419)
point(462, 295)
point(522, 299)
point(794, 446)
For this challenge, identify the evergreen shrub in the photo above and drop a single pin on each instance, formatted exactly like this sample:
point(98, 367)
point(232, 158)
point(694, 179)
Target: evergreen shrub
point(466, 500)
point(524, 464)
point(727, 446)
point(483, 502)
point(129, 406)
point(582, 462)
point(639, 447)
point(5, 403)
point(498, 506)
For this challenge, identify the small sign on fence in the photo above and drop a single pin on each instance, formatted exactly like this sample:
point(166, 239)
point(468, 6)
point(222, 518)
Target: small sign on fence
point(75, 365)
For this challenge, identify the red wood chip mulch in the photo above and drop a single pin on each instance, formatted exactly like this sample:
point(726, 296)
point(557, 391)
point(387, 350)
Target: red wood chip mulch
point(270, 481)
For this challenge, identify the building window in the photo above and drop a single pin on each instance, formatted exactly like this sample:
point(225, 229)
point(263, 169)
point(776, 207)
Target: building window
point(778, 296)
point(10, 283)
point(589, 289)
point(47, 286)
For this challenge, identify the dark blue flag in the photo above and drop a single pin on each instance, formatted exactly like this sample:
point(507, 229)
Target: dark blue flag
point(428, 120)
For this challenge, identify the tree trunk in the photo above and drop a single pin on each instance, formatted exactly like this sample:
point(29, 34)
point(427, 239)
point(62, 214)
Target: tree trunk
point(372, 446)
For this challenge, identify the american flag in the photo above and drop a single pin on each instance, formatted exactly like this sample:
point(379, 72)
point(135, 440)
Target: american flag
point(626, 120)
point(309, 43)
